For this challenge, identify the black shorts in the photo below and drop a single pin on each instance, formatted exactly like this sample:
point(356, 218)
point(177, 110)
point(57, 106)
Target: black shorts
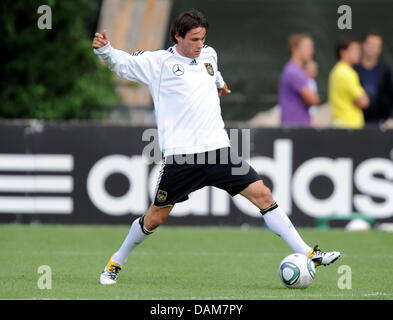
point(180, 175)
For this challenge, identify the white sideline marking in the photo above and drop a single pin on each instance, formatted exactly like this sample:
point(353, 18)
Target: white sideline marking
point(242, 298)
point(185, 253)
point(194, 254)
point(311, 295)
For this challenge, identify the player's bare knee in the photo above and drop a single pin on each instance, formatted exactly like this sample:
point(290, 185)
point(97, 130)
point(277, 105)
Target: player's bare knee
point(265, 197)
point(155, 217)
point(152, 223)
point(267, 193)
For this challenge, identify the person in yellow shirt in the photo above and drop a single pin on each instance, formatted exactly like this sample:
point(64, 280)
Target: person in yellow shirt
point(346, 96)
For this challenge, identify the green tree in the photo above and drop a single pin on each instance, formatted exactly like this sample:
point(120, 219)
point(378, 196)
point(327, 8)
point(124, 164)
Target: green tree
point(52, 73)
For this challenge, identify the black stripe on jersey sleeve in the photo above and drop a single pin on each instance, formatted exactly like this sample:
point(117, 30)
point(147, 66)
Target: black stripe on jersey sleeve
point(137, 53)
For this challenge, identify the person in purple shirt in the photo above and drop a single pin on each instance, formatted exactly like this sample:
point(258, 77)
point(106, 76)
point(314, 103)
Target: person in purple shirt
point(295, 93)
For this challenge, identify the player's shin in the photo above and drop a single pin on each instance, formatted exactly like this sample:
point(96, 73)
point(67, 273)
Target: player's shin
point(278, 222)
point(135, 236)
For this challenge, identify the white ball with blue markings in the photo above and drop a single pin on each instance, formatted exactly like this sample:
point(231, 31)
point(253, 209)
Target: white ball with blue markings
point(296, 271)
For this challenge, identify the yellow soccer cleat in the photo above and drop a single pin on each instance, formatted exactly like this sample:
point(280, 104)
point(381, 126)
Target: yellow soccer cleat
point(110, 275)
point(323, 258)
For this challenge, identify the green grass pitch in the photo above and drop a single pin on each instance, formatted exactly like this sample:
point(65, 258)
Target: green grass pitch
point(211, 263)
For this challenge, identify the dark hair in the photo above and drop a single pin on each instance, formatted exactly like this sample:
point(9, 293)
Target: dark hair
point(186, 21)
point(343, 44)
point(371, 33)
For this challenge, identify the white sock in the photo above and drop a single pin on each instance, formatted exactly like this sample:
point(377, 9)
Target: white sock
point(278, 222)
point(134, 237)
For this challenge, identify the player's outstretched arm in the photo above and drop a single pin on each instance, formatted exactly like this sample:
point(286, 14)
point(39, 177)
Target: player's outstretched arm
point(224, 90)
point(122, 63)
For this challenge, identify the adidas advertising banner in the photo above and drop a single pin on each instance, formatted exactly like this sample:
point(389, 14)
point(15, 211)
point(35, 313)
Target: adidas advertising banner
point(106, 174)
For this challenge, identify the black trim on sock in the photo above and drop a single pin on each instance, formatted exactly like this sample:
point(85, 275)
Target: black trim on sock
point(269, 208)
point(142, 227)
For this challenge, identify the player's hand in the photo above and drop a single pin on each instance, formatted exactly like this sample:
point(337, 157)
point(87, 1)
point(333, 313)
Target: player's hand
point(224, 90)
point(100, 40)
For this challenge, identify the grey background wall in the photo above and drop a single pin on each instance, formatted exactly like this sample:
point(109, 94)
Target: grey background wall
point(250, 37)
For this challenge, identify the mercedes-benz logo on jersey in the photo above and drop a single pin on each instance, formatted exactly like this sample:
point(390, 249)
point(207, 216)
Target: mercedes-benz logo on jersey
point(178, 69)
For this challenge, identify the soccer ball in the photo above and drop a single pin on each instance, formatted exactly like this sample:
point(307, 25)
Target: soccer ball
point(296, 271)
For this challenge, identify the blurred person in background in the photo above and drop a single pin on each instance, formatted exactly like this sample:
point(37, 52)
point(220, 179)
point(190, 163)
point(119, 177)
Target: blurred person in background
point(346, 95)
point(311, 68)
point(295, 92)
point(376, 79)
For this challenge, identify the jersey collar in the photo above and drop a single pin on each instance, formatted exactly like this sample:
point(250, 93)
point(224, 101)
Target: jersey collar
point(189, 60)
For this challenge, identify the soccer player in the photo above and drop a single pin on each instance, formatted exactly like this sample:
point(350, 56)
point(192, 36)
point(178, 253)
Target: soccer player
point(185, 85)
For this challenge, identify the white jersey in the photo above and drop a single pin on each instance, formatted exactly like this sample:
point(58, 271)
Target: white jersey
point(184, 92)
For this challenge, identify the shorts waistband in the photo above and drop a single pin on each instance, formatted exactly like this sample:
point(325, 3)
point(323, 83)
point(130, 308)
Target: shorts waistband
point(207, 157)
